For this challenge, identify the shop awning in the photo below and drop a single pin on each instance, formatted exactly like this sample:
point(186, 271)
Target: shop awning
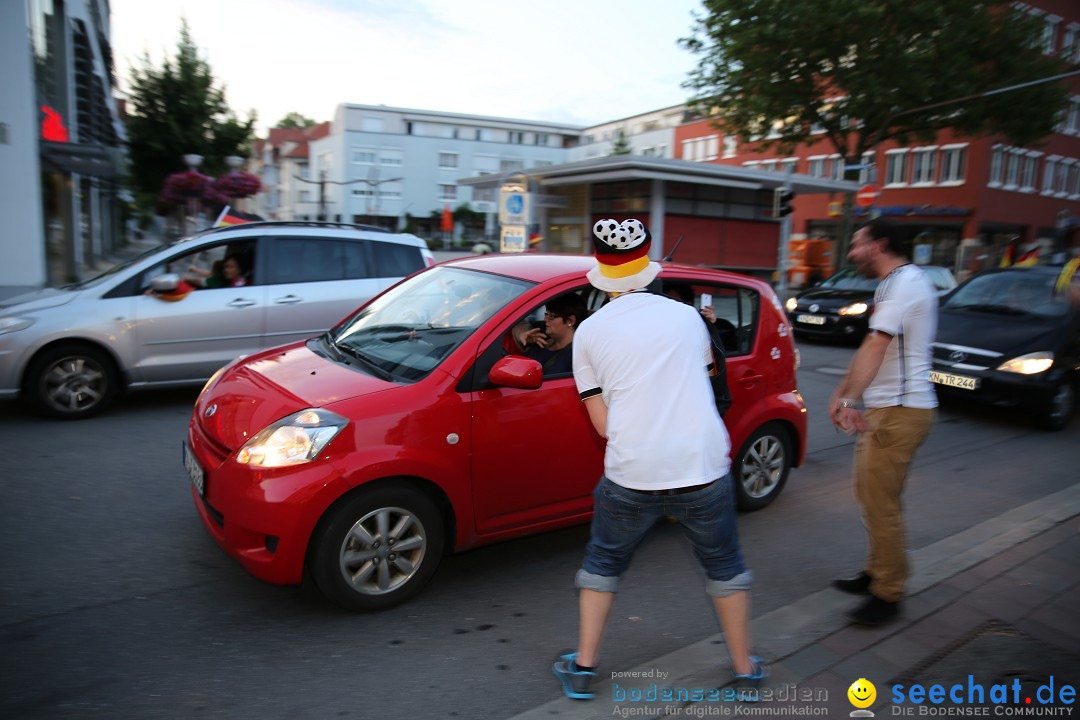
point(93, 160)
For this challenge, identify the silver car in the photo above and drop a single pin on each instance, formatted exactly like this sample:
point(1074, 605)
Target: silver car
point(175, 314)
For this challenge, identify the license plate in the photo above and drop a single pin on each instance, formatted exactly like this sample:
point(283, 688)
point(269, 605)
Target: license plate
point(962, 382)
point(810, 319)
point(194, 470)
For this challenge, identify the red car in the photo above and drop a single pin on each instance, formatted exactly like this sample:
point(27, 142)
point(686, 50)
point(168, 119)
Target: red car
point(410, 429)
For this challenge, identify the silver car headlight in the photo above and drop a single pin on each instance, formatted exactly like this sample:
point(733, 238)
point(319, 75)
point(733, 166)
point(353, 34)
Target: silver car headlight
point(854, 309)
point(292, 440)
point(1029, 364)
point(10, 324)
point(792, 303)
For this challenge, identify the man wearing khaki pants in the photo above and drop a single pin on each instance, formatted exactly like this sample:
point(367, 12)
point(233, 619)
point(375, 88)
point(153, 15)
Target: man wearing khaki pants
point(889, 377)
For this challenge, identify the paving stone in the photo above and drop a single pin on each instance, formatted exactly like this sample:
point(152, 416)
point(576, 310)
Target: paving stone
point(811, 660)
point(869, 665)
point(967, 580)
point(855, 638)
point(928, 601)
point(902, 650)
point(1005, 599)
point(1048, 634)
point(1063, 620)
point(1068, 551)
point(831, 684)
point(1045, 573)
point(946, 625)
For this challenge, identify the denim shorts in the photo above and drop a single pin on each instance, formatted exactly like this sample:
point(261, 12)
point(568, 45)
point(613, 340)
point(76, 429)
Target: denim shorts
point(623, 517)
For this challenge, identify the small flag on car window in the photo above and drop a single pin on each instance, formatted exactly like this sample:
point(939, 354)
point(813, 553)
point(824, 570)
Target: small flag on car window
point(229, 216)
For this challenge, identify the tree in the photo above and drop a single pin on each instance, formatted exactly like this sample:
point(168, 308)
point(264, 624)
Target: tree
point(178, 109)
point(779, 71)
point(470, 220)
point(295, 121)
point(621, 146)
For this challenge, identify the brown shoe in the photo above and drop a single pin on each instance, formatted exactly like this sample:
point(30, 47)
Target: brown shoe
point(858, 585)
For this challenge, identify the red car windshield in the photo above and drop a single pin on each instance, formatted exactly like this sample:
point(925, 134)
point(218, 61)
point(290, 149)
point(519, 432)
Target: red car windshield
point(406, 332)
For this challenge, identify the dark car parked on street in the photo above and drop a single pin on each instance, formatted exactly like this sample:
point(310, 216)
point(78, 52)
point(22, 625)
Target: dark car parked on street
point(1006, 338)
point(840, 307)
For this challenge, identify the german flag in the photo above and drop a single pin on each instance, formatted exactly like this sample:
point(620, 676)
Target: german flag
point(229, 216)
point(1031, 257)
point(1007, 256)
point(1066, 276)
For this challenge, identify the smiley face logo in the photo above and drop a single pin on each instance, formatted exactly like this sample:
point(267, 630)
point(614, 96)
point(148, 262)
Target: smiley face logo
point(862, 693)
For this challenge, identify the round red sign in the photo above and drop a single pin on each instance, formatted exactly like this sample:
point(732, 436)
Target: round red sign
point(866, 196)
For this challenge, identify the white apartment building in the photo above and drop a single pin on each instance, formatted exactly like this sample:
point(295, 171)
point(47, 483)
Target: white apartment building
point(650, 134)
point(379, 163)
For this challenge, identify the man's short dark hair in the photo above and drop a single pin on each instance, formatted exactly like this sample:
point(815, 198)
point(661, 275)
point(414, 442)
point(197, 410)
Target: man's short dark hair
point(881, 229)
point(566, 305)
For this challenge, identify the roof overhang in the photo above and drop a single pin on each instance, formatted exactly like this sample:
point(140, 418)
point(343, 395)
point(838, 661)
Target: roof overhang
point(615, 168)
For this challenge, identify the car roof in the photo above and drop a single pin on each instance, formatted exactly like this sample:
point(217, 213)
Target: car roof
point(541, 267)
point(307, 229)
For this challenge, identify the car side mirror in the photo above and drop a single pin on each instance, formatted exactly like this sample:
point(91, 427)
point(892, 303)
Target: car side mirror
point(166, 283)
point(516, 371)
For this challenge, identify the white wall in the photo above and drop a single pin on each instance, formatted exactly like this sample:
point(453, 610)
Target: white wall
point(22, 243)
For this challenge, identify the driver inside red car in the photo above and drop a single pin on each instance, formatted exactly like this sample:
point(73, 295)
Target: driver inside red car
point(552, 345)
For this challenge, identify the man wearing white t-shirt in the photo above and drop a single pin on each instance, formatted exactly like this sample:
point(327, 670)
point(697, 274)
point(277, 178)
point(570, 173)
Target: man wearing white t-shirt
point(890, 373)
point(641, 365)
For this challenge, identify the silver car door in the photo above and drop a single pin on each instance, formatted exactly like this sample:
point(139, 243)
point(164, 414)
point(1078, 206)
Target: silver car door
point(192, 335)
point(316, 282)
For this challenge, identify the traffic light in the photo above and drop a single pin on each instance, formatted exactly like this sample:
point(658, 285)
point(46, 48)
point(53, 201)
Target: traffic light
point(782, 199)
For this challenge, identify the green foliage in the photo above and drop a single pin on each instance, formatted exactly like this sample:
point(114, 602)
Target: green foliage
point(621, 146)
point(295, 121)
point(853, 67)
point(177, 109)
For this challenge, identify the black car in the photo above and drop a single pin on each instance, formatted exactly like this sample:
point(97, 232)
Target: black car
point(840, 306)
point(1006, 338)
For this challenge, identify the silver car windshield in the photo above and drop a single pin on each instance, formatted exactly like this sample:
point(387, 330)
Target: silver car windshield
point(405, 333)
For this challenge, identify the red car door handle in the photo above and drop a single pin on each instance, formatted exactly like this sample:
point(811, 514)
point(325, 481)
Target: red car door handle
point(749, 380)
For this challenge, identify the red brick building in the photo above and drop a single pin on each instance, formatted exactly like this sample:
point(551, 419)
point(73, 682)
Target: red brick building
point(964, 198)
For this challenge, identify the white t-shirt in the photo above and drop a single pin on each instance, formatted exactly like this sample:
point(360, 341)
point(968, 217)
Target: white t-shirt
point(905, 307)
point(648, 356)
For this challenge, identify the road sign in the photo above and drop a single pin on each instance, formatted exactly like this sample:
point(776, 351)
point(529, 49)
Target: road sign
point(866, 196)
point(513, 204)
point(512, 239)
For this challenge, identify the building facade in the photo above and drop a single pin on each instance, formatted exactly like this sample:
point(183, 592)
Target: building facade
point(651, 134)
point(965, 199)
point(64, 136)
point(703, 213)
point(388, 166)
point(281, 161)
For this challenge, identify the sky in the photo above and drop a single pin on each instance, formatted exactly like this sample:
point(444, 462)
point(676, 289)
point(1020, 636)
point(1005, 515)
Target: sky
point(578, 62)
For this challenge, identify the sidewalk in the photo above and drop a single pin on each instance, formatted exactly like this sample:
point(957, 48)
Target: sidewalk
point(999, 602)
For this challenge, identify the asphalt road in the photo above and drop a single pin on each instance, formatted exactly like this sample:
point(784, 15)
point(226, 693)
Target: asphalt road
point(114, 603)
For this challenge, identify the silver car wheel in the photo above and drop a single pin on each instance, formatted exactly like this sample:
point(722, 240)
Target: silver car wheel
point(763, 466)
point(382, 551)
point(74, 383)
